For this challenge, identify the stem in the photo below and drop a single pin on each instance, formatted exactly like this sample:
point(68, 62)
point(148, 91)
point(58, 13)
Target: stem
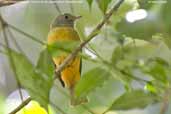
point(23, 104)
point(57, 7)
point(27, 35)
point(15, 42)
point(10, 58)
point(165, 103)
point(8, 2)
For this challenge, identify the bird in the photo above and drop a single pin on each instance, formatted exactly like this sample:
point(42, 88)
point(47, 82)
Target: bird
point(62, 29)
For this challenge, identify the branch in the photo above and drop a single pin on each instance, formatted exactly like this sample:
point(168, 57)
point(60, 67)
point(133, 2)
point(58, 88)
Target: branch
point(8, 2)
point(15, 41)
point(25, 34)
point(57, 7)
point(4, 23)
point(23, 104)
point(165, 103)
point(10, 57)
point(90, 37)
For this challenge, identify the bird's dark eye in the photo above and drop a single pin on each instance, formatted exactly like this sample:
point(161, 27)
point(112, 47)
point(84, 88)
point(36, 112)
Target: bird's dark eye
point(66, 17)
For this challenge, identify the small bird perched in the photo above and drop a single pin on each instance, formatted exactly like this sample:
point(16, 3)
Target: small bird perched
point(62, 29)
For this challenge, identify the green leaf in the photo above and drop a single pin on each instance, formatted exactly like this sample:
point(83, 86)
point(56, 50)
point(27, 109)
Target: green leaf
point(89, 3)
point(123, 77)
point(145, 4)
point(103, 5)
point(133, 51)
point(150, 87)
point(132, 100)
point(140, 29)
point(157, 69)
point(37, 85)
point(90, 81)
point(167, 41)
point(117, 54)
point(2, 102)
point(140, 50)
point(165, 16)
point(62, 47)
point(45, 63)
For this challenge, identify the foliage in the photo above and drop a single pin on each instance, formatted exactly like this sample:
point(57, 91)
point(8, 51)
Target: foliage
point(134, 54)
point(143, 100)
point(35, 83)
point(33, 107)
point(90, 81)
point(1, 105)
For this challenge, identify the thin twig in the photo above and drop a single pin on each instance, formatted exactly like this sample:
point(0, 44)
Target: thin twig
point(10, 57)
point(41, 97)
point(71, 7)
point(8, 2)
point(21, 32)
point(76, 51)
point(15, 42)
point(27, 35)
point(23, 104)
point(114, 68)
point(90, 37)
point(57, 7)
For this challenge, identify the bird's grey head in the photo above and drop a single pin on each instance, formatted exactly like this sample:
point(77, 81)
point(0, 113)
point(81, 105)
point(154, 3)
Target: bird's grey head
point(64, 20)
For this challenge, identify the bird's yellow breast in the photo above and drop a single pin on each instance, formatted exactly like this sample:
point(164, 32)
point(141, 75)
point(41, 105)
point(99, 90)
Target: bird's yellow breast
point(62, 33)
point(71, 74)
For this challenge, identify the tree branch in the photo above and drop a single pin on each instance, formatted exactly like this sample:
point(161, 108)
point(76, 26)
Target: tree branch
point(23, 104)
point(8, 2)
point(90, 37)
point(57, 7)
point(10, 57)
point(75, 52)
point(165, 102)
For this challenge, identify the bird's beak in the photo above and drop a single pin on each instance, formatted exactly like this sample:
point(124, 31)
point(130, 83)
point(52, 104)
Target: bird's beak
point(77, 17)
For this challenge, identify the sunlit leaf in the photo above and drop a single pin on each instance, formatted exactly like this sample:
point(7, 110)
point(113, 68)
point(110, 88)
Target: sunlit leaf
point(132, 100)
point(150, 87)
point(33, 108)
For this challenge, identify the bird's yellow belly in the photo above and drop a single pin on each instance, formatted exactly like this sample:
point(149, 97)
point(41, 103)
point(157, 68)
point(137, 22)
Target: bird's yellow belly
point(71, 74)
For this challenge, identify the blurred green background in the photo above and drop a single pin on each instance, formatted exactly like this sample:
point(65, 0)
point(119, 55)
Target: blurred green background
point(135, 38)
